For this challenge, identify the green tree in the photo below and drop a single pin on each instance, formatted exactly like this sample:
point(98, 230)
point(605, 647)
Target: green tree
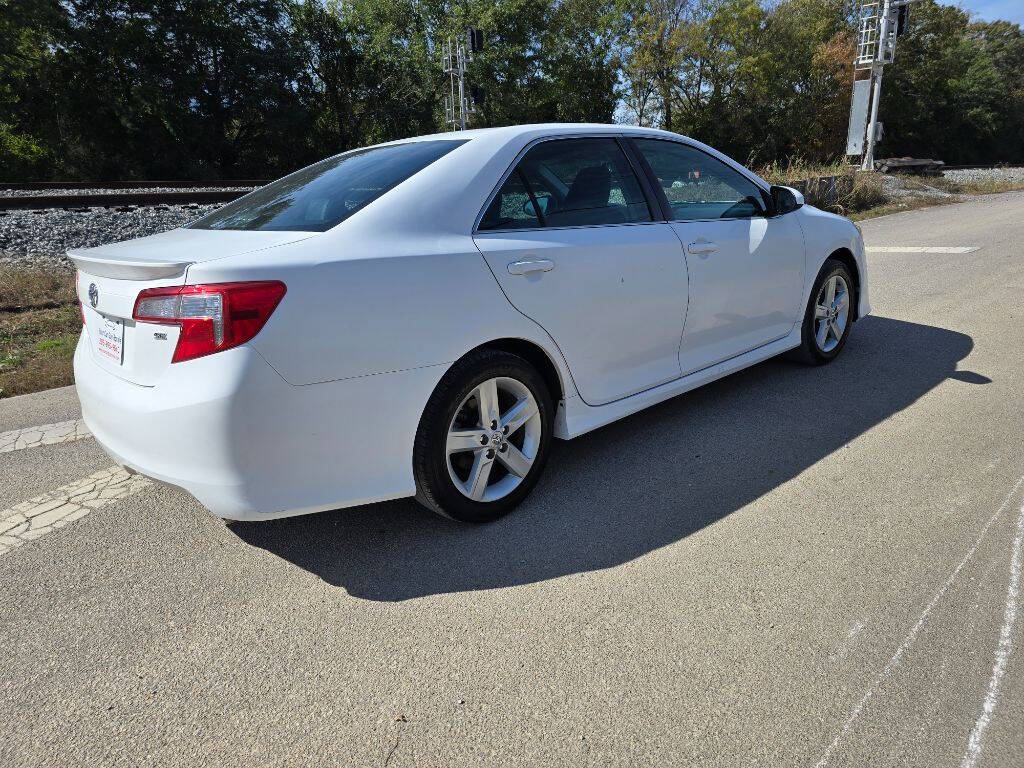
point(656, 38)
point(543, 60)
point(580, 61)
point(197, 88)
point(28, 129)
point(368, 72)
point(240, 88)
point(1003, 43)
point(941, 97)
point(766, 82)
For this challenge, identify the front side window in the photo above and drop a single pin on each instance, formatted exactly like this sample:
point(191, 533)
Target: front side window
point(326, 193)
point(698, 186)
point(569, 183)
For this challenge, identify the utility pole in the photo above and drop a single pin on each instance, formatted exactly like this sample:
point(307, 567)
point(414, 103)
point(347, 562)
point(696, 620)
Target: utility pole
point(876, 89)
point(881, 22)
point(457, 105)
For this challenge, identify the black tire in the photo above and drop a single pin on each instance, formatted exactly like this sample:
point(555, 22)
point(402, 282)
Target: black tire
point(435, 488)
point(809, 351)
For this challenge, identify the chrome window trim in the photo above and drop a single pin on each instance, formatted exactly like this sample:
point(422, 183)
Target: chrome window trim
point(485, 232)
point(625, 135)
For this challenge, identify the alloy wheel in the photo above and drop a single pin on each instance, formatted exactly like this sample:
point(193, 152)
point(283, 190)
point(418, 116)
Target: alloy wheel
point(493, 439)
point(831, 313)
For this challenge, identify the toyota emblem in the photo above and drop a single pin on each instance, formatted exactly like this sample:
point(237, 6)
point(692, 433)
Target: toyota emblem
point(94, 295)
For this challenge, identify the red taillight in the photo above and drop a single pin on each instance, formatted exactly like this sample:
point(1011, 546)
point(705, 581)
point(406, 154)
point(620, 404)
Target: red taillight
point(212, 317)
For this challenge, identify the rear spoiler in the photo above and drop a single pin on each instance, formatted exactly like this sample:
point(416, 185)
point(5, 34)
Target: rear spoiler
point(127, 269)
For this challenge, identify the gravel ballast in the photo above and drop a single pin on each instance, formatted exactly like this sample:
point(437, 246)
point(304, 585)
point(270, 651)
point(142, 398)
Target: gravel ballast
point(40, 239)
point(986, 174)
point(117, 191)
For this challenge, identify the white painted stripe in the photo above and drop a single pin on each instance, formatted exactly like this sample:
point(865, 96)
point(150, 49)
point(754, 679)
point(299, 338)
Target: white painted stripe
point(920, 248)
point(1003, 650)
point(846, 646)
point(915, 630)
point(45, 434)
point(37, 517)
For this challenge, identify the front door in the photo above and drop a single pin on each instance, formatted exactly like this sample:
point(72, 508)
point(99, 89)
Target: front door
point(745, 266)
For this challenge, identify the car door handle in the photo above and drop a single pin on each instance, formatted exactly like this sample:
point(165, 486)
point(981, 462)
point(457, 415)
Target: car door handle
point(533, 265)
point(702, 246)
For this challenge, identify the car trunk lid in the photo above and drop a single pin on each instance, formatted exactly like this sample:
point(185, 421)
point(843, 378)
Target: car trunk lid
point(110, 278)
point(169, 254)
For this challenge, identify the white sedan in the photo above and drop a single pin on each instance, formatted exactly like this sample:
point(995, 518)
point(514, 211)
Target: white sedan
point(421, 318)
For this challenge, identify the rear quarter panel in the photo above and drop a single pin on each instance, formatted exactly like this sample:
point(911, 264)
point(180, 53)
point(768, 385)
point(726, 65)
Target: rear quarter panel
point(357, 308)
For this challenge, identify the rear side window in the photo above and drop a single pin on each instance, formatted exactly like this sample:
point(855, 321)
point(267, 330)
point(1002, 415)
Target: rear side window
point(699, 186)
point(326, 193)
point(513, 207)
point(569, 183)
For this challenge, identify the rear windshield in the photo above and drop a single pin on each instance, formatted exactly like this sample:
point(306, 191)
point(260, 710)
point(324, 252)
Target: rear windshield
point(326, 193)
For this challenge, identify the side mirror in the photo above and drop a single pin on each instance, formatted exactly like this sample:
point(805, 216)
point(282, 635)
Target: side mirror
point(786, 199)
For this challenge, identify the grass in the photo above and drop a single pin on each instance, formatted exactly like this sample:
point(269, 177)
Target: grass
point(22, 289)
point(859, 191)
point(869, 197)
point(799, 169)
point(39, 327)
point(868, 192)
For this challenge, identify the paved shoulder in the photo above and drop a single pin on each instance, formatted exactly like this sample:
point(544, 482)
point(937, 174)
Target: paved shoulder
point(40, 408)
point(976, 222)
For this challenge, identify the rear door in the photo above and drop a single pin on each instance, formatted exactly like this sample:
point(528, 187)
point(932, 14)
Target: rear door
point(745, 265)
point(573, 240)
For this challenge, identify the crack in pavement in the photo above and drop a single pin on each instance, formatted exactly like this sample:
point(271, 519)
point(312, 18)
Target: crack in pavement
point(45, 434)
point(40, 515)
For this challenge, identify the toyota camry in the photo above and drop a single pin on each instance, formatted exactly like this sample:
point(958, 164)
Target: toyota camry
point(421, 318)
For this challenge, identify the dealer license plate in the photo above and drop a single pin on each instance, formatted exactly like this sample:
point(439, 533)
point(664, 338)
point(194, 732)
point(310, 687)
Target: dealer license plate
point(110, 340)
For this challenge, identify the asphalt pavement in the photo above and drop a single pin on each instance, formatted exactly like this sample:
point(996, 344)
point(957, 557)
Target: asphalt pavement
point(792, 566)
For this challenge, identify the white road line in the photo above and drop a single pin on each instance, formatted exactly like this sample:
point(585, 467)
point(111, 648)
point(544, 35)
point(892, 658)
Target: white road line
point(1003, 650)
point(37, 517)
point(45, 434)
point(920, 248)
point(847, 645)
point(914, 631)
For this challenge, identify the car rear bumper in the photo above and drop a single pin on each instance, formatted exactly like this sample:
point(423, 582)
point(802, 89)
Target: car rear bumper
point(249, 445)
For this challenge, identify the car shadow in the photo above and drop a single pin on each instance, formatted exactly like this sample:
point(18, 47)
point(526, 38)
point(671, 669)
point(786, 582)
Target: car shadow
point(639, 484)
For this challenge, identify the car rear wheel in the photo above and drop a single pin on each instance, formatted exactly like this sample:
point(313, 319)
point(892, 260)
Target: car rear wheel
point(829, 315)
point(483, 439)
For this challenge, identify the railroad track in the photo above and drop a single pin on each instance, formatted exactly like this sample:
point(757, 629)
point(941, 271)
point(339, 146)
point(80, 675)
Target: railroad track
point(136, 194)
point(118, 200)
point(25, 186)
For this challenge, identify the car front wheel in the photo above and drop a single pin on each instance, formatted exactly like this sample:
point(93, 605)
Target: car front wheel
point(829, 315)
point(484, 436)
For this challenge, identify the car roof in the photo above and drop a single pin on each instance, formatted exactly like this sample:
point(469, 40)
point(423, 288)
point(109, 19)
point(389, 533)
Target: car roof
point(447, 196)
point(509, 132)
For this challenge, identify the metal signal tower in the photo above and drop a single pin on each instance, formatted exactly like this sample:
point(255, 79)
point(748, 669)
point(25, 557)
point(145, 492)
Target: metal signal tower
point(881, 21)
point(457, 105)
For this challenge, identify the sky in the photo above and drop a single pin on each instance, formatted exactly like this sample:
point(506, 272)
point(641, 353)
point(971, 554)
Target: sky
point(990, 10)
